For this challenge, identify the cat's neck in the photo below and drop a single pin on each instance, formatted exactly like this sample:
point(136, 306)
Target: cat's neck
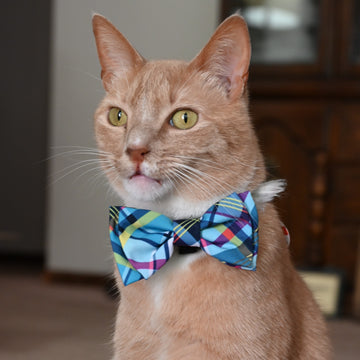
point(177, 207)
point(174, 206)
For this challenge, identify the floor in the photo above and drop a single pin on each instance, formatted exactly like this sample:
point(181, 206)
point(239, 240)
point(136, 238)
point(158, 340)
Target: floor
point(53, 321)
point(42, 321)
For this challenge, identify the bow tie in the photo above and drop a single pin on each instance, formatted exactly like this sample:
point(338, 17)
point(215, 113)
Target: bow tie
point(143, 240)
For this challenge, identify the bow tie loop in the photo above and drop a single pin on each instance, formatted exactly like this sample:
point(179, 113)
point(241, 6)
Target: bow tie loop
point(144, 240)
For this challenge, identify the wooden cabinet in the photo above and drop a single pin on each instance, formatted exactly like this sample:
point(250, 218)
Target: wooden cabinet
point(343, 215)
point(306, 109)
point(290, 141)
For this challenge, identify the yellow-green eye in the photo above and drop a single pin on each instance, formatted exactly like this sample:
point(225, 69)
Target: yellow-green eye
point(117, 117)
point(184, 119)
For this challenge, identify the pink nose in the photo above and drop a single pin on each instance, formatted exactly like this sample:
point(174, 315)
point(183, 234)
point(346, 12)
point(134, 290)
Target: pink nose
point(137, 155)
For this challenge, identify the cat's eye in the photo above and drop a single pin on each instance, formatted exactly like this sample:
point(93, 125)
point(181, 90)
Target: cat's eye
point(117, 117)
point(184, 119)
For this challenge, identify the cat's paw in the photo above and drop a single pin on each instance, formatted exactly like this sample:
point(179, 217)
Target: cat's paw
point(267, 191)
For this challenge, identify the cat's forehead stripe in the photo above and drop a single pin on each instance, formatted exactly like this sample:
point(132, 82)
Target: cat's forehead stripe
point(154, 84)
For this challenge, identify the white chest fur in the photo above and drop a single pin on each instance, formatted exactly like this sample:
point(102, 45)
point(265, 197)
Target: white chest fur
point(158, 283)
point(177, 265)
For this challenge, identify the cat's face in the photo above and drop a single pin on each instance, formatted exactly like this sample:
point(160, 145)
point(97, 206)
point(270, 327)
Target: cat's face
point(174, 129)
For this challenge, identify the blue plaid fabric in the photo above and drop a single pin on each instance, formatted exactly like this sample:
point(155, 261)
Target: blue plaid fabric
point(144, 240)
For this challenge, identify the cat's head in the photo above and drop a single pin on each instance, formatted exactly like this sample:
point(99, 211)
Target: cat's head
point(171, 129)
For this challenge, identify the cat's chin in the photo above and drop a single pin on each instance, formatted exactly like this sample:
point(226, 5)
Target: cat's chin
point(141, 187)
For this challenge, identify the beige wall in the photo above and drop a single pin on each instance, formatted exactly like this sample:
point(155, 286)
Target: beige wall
point(77, 236)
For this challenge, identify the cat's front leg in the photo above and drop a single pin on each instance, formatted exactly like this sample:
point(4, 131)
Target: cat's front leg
point(135, 336)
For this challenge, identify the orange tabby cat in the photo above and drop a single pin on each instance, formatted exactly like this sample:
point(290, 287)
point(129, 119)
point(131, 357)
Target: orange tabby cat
point(196, 307)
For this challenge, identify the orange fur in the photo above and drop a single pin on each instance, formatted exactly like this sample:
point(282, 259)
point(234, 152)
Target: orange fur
point(196, 307)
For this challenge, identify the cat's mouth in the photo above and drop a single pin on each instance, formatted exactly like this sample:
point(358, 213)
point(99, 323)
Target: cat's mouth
point(143, 187)
point(139, 176)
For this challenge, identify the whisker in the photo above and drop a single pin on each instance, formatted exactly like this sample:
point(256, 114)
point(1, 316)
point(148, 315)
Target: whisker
point(205, 176)
point(190, 180)
point(173, 182)
point(208, 163)
point(81, 151)
point(203, 161)
point(111, 190)
point(82, 162)
point(97, 160)
point(100, 175)
point(100, 169)
point(77, 166)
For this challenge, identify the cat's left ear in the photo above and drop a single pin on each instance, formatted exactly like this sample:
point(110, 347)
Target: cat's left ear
point(117, 56)
point(227, 56)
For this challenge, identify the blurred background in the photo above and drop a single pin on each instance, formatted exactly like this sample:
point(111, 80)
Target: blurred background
point(304, 89)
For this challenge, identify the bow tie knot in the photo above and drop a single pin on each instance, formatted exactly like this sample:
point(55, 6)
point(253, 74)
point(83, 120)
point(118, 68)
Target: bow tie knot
point(143, 240)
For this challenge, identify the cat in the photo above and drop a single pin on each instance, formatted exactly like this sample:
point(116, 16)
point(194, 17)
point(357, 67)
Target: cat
point(160, 159)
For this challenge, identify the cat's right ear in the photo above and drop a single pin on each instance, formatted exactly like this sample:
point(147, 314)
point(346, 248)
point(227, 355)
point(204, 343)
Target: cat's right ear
point(117, 56)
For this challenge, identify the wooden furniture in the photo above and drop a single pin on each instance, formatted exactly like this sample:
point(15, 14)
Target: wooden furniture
point(357, 284)
point(306, 109)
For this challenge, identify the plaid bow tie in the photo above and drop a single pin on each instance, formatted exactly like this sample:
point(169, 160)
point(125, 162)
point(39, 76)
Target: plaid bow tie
point(143, 240)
